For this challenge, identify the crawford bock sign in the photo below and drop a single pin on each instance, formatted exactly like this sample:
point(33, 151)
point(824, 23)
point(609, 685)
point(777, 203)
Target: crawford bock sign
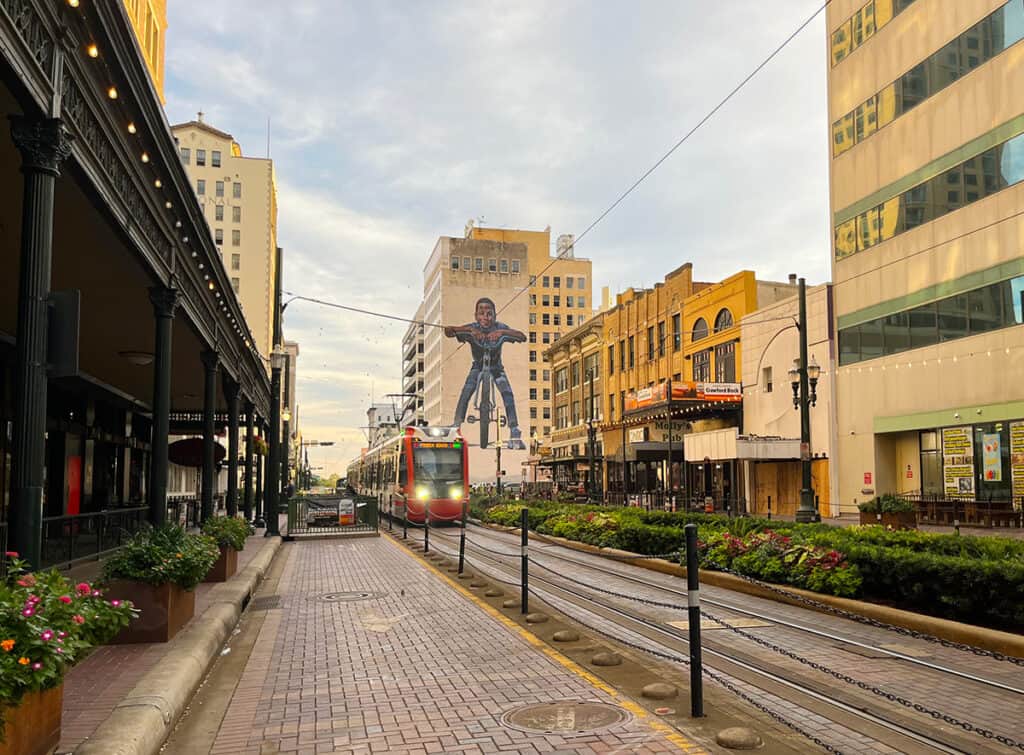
point(684, 390)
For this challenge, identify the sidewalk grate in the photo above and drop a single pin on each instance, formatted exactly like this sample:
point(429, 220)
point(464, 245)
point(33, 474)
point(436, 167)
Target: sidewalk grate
point(265, 603)
point(568, 718)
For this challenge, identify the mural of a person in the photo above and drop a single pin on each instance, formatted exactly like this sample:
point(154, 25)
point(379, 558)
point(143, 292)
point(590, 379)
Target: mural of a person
point(486, 337)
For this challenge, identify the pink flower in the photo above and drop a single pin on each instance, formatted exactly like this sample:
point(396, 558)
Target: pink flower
point(27, 612)
point(60, 650)
point(33, 599)
point(46, 636)
point(83, 588)
point(11, 554)
point(62, 634)
point(96, 593)
point(115, 603)
point(65, 599)
point(27, 581)
point(78, 618)
point(36, 666)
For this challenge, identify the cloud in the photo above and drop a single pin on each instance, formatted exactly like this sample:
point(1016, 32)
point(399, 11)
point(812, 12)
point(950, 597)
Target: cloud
point(393, 122)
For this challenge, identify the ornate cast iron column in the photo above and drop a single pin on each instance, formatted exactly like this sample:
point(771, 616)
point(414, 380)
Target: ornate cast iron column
point(231, 391)
point(165, 301)
point(249, 443)
point(260, 466)
point(209, 402)
point(44, 144)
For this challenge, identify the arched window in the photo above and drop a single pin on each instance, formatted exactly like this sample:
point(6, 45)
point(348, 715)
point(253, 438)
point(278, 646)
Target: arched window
point(723, 320)
point(700, 329)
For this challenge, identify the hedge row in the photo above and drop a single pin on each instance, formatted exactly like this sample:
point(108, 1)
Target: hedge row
point(978, 580)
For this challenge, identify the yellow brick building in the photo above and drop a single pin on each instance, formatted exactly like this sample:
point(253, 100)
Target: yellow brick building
point(149, 20)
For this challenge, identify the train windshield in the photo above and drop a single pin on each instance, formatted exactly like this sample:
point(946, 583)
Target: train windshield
point(438, 469)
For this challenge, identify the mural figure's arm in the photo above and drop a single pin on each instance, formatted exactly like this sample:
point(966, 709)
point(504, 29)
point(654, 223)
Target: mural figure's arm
point(461, 332)
point(511, 334)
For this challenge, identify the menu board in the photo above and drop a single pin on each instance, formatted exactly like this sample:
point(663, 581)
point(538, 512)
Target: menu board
point(958, 460)
point(991, 457)
point(1017, 458)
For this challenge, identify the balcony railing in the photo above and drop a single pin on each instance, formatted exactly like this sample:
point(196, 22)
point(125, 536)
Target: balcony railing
point(72, 538)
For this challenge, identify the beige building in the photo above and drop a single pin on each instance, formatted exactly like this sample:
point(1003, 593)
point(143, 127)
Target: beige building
point(239, 199)
point(459, 273)
point(769, 446)
point(927, 134)
point(560, 298)
point(412, 371)
point(149, 21)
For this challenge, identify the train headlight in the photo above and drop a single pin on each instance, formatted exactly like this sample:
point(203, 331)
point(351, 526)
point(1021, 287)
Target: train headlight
point(422, 493)
point(455, 492)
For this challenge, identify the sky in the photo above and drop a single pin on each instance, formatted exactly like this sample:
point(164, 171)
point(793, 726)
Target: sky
point(393, 123)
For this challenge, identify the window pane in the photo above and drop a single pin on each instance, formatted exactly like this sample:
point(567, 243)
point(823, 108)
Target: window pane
point(841, 43)
point(923, 326)
point(1011, 161)
point(1017, 297)
point(889, 219)
point(885, 105)
point(867, 229)
point(986, 309)
point(871, 339)
point(849, 345)
point(846, 239)
point(953, 318)
point(896, 332)
point(865, 119)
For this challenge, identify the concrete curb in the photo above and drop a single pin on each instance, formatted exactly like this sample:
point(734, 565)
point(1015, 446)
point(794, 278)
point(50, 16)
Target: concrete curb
point(143, 720)
point(945, 629)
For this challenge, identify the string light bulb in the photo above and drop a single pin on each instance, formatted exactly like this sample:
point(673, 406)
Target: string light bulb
point(131, 128)
point(145, 157)
point(157, 183)
point(210, 285)
point(92, 50)
point(73, 3)
point(112, 93)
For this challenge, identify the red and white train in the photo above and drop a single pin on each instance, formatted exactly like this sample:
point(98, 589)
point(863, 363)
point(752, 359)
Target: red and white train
point(423, 469)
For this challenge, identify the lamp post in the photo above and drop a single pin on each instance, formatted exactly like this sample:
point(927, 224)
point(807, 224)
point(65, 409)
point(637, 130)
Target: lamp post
point(592, 492)
point(273, 475)
point(803, 376)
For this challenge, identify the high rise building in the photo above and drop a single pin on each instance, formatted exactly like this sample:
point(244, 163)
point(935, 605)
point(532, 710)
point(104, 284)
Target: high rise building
point(412, 371)
point(559, 299)
point(149, 21)
point(927, 162)
point(238, 195)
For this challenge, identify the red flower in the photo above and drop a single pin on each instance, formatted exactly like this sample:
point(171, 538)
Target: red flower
point(11, 554)
point(65, 598)
point(78, 619)
point(83, 588)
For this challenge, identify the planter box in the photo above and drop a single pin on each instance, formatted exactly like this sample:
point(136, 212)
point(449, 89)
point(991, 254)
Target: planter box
point(163, 610)
point(223, 568)
point(33, 728)
point(899, 520)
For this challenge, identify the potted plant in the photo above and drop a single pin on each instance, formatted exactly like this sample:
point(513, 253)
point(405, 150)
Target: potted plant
point(158, 570)
point(47, 624)
point(890, 511)
point(229, 532)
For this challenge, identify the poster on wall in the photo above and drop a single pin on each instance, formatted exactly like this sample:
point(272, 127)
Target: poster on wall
point(958, 460)
point(1017, 458)
point(992, 457)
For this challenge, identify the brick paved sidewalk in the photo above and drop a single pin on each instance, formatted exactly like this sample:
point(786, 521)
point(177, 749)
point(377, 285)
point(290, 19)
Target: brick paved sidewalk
point(94, 687)
point(416, 668)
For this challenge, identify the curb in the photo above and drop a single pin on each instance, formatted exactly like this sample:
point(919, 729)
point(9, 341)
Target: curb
point(143, 720)
point(945, 629)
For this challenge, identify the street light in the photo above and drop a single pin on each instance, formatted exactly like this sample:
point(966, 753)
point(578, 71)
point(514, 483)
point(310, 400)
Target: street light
point(273, 480)
point(592, 492)
point(805, 395)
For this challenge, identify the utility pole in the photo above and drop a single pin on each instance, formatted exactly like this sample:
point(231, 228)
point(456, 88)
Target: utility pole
point(591, 439)
point(668, 471)
point(804, 379)
point(497, 448)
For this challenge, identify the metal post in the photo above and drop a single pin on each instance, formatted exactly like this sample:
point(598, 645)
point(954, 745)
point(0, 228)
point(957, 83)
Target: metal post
point(524, 543)
point(260, 465)
point(249, 445)
point(769, 508)
point(165, 301)
point(806, 512)
point(209, 359)
point(231, 389)
point(272, 484)
point(405, 518)
point(44, 144)
point(693, 621)
point(668, 475)
point(591, 438)
point(286, 438)
point(426, 526)
point(462, 539)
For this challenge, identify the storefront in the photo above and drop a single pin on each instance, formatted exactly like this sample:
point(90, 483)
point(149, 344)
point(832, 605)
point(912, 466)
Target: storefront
point(982, 461)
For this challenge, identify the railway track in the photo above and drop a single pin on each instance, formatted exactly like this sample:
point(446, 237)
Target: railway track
point(866, 710)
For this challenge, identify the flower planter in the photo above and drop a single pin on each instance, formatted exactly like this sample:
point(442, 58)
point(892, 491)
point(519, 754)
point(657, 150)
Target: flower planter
point(897, 520)
point(163, 610)
point(224, 567)
point(33, 727)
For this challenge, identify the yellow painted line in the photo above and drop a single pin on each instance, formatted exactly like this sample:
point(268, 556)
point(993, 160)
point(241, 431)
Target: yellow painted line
point(638, 711)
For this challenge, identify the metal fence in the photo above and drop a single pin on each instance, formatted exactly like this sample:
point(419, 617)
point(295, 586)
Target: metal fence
point(72, 538)
point(331, 514)
point(184, 511)
point(967, 511)
point(660, 500)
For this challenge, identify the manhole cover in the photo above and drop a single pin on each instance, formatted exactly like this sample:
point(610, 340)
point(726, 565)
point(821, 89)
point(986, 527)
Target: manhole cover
point(566, 718)
point(346, 597)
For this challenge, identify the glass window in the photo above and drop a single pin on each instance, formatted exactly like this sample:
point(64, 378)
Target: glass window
point(556, 301)
point(581, 302)
point(201, 187)
point(503, 267)
point(1016, 287)
point(467, 264)
point(533, 318)
point(677, 335)
point(236, 261)
point(661, 338)
point(533, 375)
point(846, 239)
point(200, 157)
point(581, 283)
point(236, 238)
point(568, 302)
point(557, 320)
point(515, 267)
point(218, 235)
point(611, 359)
point(985, 309)
point(533, 356)
point(533, 336)
point(478, 264)
point(236, 214)
point(924, 330)
point(557, 281)
point(650, 344)
point(723, 320)
point(701, 361)
point(547, 375)
point(569, 282)
point(235, 284)
point(236, 190)
point(545, 300)
point(700, 329)
point(492, 265)
point(622, 355)
point(568, 320)
point(867, 229)
point(849, 345)
point(455, 262)
point(215, 158)
point(547, 394)
point(218, 212)
point(871, 339)
point(953, 318)
point(632, 352)
point(219, 188)
point(546, 337)
point(896, 332)
point(186, 155)
point(545, 318)
point(766, 379)
point(546, 282)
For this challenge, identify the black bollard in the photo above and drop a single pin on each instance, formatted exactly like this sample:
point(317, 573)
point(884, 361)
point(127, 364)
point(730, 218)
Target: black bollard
point(391, 515)
point(405, 518)
point(524, 528)
point(426, 526)
point(693, 620)
point(462, 540)
point(769, 508)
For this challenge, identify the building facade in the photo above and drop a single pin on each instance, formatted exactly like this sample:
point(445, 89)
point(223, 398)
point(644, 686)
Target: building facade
point(577, 399)
point(560, 298)
point(926, 199)
point(412, 370)
point(238, 196)
point(149, 22)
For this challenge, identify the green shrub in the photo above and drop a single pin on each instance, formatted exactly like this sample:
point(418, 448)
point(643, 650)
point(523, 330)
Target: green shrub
point(887, 504)
point(164, 554)
point(228, 531)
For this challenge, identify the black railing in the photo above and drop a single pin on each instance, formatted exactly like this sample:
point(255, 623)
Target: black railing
point(72, 538)
point(966, 510)
point(184, 510)
point(331, 515)
point(662, 500)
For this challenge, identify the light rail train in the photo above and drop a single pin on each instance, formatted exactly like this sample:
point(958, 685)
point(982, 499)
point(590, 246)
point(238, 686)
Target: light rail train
point(423, 469)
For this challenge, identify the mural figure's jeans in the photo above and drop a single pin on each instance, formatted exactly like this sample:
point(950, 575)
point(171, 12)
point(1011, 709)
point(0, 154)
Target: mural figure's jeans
point(504, 388)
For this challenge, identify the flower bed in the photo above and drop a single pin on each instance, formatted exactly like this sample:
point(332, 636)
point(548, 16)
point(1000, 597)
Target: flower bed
point(979, 580)
point(47, 624)
point(230, 533)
